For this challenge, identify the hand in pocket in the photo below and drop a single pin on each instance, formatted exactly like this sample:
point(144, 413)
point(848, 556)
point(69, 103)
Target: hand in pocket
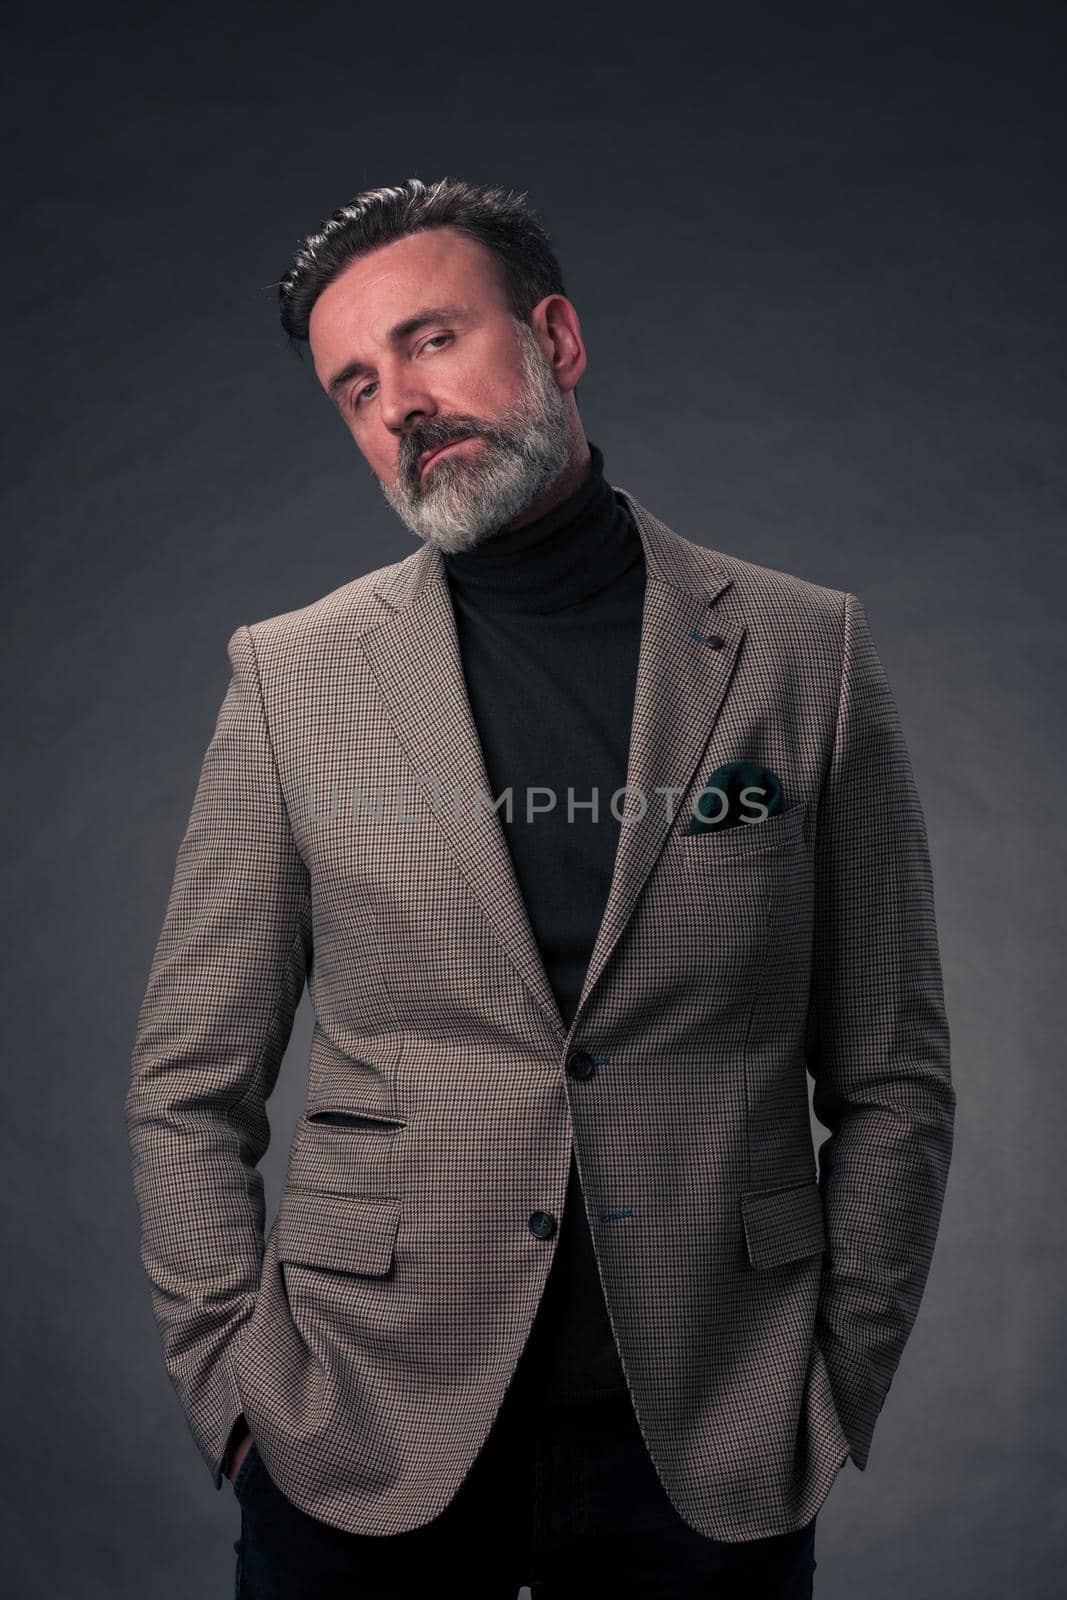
point(238, 1454)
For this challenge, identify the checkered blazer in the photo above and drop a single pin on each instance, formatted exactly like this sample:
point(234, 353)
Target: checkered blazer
point(760, 1300)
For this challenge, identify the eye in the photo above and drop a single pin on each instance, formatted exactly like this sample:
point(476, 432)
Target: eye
point(360, 393)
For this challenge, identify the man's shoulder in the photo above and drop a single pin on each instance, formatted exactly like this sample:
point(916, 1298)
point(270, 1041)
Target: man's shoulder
point(755, 589)
point(757, 592)
point(773, 589)
point(350, 609)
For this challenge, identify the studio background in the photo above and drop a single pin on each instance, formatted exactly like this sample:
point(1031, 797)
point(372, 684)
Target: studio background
point(818, 258)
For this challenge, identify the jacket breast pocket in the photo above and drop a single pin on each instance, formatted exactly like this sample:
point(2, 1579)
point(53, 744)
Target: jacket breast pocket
point(711, 917)
point(783, 829)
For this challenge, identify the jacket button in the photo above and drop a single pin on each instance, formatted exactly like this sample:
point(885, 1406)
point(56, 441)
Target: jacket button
point(580, 1064)
point(542, 1224)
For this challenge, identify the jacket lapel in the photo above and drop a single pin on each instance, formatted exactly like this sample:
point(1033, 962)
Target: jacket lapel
point(681, 683)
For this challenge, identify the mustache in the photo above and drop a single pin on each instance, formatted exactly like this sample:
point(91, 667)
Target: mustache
point(434, 438)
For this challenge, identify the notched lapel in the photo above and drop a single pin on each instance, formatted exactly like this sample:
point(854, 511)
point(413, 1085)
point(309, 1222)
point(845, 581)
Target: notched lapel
point(688, 651)
point(689, 648)
point(416, 660)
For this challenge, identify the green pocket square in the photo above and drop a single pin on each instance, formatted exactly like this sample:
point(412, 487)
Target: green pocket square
point(734, 795)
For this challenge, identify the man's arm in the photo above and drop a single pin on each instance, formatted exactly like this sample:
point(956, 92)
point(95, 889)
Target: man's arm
point(225, 981)
point(878, 1043)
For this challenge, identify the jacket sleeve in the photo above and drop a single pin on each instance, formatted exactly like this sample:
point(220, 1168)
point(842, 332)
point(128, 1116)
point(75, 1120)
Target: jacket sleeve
point(878, 1043)
point(224, 984)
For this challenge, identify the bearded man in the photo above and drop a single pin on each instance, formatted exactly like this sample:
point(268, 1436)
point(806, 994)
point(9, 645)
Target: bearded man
point(591, 843)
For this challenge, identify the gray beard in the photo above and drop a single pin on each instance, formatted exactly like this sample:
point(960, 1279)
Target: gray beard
point(470, 496)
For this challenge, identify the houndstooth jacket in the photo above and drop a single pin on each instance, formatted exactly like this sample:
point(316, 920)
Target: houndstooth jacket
point(760, 1298)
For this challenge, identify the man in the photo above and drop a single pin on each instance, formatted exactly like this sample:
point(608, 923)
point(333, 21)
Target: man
point(591, 843)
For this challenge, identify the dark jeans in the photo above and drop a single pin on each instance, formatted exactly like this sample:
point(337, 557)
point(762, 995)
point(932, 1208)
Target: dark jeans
point(566, 1501)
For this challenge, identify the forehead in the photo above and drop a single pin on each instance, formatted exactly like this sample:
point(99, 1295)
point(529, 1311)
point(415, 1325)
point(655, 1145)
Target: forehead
point(353, 314)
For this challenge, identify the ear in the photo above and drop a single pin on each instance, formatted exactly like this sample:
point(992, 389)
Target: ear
point(559, 333)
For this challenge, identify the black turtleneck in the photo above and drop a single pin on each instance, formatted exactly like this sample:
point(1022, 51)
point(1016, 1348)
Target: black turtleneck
point(548, 619)
point(555, 562)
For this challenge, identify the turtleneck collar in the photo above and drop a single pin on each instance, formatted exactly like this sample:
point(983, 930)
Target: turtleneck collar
point(572, 552)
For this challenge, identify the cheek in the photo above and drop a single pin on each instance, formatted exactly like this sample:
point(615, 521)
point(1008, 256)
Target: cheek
point(378, 448)
point(481, 388)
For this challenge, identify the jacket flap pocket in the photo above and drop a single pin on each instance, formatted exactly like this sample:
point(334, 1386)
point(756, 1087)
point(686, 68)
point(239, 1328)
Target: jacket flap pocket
point(337, 1231)
point(783, 1224)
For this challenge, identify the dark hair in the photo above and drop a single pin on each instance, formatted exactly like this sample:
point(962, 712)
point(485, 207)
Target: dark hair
point(497, 219)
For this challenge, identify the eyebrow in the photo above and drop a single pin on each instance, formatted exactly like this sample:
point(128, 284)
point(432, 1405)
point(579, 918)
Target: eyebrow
point(397, 335)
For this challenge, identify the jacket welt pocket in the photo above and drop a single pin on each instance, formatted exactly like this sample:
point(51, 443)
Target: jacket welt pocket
point(744, 838)
point(370, 1121)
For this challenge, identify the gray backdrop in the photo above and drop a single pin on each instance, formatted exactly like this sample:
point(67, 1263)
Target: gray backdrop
point(818, 257)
